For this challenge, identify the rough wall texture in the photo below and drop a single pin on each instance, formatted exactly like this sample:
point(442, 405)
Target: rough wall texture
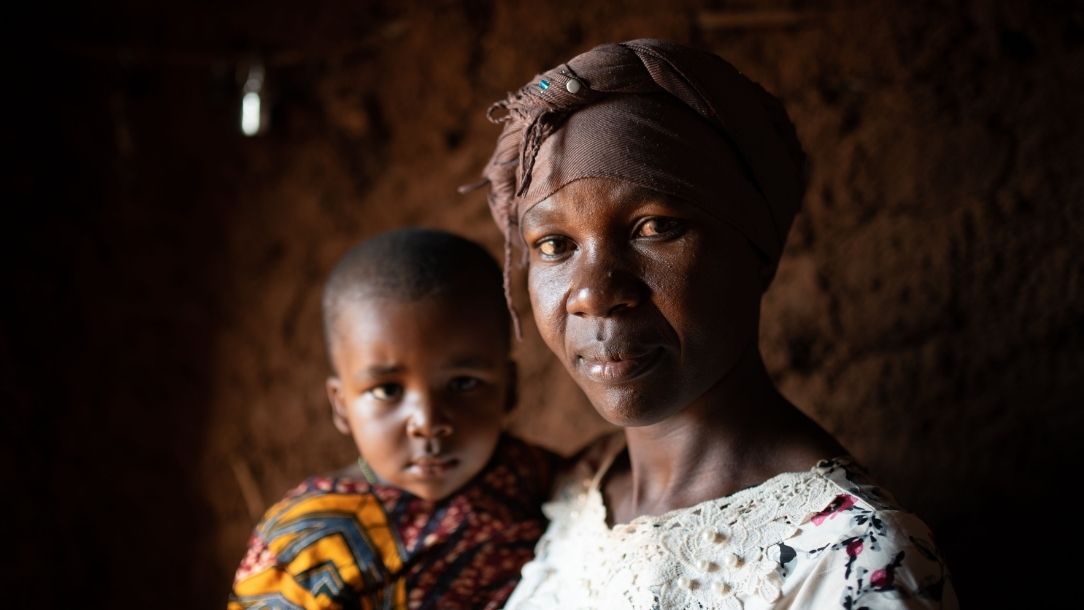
point(164, 341)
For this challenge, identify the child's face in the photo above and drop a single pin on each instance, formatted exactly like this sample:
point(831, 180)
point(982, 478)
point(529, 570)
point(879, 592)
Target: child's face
point(423, 387)
point(647, 301)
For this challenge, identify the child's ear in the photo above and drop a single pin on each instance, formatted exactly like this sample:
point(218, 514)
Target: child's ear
point(338, 404)
point(512, 396)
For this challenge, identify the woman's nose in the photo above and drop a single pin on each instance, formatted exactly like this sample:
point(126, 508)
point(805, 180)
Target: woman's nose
point(602, 288)
point(426, 421)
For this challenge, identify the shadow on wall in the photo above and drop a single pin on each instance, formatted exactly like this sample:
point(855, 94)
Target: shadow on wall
point(164, 340)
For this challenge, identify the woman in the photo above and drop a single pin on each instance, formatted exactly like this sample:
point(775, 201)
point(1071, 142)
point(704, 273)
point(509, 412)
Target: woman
point(652, 186)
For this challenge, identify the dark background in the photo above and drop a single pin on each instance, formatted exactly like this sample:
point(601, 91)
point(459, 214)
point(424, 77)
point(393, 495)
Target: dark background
point(161, 348)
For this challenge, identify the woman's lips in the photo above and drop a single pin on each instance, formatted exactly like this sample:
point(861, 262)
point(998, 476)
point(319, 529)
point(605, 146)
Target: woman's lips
point(617, 369)
point(431, 467)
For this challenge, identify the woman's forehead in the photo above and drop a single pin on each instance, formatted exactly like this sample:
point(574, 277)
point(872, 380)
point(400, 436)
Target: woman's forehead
point(604, 188)
point(602, 193)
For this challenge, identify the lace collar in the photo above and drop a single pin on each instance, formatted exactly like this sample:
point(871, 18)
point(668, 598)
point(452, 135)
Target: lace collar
point(834, 469)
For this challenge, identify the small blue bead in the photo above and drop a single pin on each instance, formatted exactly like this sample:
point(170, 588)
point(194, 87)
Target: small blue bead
point(543, 84)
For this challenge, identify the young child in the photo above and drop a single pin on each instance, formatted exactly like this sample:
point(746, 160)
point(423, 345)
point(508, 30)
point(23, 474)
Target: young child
point(442, 509)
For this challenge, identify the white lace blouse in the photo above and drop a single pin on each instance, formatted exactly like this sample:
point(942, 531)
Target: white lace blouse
point(818, 539)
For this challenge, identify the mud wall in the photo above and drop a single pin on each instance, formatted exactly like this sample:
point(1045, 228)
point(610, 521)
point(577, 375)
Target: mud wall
point(162, 337)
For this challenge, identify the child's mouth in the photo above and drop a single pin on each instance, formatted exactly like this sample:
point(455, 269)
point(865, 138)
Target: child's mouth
point(432, 466)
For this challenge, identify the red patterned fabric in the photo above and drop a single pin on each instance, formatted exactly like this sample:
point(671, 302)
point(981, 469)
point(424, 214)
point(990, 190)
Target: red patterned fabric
point(463, 552)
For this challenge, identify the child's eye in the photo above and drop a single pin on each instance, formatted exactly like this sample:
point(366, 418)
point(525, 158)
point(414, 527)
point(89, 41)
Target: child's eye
point(660, 227)
point(386, 391)
point(464, 384)
point(553, 247)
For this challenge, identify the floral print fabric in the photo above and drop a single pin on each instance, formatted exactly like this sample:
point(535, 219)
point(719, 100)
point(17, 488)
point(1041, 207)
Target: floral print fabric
point(825, 538)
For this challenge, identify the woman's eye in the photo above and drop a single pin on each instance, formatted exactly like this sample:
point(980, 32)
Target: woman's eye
point(553, 247)
point(387, 391)
point(659, 227)
point(464, 384)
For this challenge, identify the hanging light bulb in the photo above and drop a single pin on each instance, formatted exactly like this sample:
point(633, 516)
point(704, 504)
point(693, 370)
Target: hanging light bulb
point(252, 111)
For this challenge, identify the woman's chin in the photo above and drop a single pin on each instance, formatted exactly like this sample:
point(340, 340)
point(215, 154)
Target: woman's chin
point(630, 408)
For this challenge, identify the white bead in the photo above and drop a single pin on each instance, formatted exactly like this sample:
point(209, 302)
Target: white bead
point(732, 560)
point(713, 536)
point(707, 566)
point(722, 588)
point(688, 583)
point(573, 85)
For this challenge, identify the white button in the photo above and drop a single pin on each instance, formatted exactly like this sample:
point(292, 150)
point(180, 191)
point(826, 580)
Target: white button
point(573, 85)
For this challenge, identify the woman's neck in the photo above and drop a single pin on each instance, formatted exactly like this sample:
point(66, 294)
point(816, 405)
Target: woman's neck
point(738, 434)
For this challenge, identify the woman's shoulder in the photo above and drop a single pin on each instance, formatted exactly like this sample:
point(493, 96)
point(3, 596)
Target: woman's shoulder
point(863, 549)
point(859, 507)
point(852, 478)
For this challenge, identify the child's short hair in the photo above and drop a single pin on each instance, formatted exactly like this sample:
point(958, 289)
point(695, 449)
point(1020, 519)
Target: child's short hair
point(412, 264)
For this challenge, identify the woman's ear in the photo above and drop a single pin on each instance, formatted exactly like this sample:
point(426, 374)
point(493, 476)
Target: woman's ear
point(338, 404)
point(512, 395)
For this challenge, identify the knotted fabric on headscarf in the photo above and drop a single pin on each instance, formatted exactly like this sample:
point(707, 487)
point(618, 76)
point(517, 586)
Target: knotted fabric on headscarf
point(658, 114)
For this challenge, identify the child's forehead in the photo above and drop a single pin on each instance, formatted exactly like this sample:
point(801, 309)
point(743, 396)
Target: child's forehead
point(379, 303)
point(379, 337)
point(426, 320)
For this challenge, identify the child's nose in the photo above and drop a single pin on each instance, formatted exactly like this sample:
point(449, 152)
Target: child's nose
point(426, 421)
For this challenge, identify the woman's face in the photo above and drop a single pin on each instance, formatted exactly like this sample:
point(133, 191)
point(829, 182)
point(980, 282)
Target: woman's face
point(647, 301)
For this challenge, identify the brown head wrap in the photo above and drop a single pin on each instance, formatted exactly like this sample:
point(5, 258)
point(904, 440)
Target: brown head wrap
point(658, 114)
